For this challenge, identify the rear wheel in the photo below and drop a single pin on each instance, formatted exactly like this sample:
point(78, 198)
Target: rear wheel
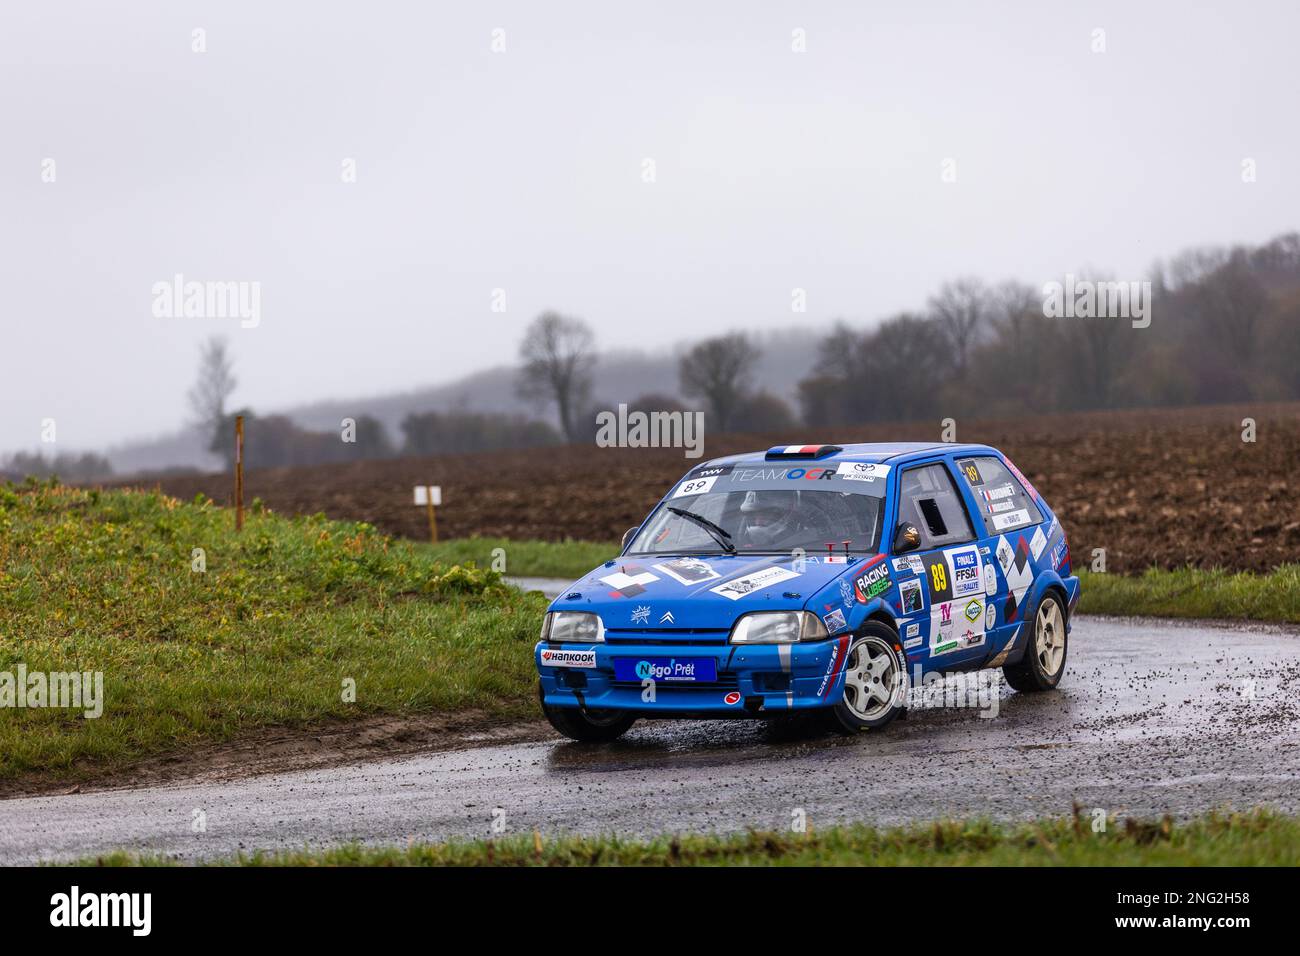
point(1044, 661)
point(595, 726)
point(874, 681)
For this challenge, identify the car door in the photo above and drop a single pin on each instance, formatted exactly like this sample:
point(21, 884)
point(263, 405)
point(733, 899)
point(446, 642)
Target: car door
point(948, 563)
point(1006, 517)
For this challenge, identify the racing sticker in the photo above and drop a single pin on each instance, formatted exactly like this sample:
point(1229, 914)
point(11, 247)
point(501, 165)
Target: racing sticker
point(911, 593)
point(956, 625)
point(909, 563)
point(1021, 478)
point(1012, 519)
point(834, 620)
point(938, 578)
point(710, 471)
point(861, 471)
point(688, 570)
point(833, 666)
point(1019, 572)
point(873, 581)
point(990, 615)
point(971, 471)
point(628, 585)
point(994, 494)
point(990, 579)
point(965, 572)
point(694, 486)
point(557, 657)
point(732, 698)
point(750, 583)
point(1038, 542)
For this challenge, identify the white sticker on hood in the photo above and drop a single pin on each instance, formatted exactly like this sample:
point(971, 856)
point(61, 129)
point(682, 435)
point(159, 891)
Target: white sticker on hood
point(750, 583)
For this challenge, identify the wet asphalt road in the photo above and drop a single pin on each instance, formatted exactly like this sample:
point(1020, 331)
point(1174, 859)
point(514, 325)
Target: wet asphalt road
point(1150, 718)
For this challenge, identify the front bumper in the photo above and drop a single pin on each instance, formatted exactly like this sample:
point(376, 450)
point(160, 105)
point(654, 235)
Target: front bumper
point(750, 679)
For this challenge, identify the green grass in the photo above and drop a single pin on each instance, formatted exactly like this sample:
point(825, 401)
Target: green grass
point(1255, 839)
point(1196, 593)
point(285, 613)
point(542, 559)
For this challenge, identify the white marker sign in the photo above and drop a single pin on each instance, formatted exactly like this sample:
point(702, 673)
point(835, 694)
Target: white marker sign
point(428, 495)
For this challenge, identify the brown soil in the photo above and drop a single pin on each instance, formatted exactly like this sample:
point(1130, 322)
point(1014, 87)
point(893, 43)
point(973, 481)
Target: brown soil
point(1153, 487)
point(281, 750)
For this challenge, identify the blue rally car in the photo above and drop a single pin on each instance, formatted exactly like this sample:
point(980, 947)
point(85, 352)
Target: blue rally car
point(813, 576)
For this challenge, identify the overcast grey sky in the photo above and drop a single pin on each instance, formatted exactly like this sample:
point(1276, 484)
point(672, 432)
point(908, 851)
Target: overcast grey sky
point(523, 170)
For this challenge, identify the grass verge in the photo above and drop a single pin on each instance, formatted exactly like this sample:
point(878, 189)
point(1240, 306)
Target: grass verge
point(1255, 839)
point(202, 633)
point(1196, 593)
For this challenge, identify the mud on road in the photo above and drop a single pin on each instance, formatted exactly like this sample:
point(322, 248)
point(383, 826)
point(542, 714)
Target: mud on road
point(1164, 488)
point(1151, 718)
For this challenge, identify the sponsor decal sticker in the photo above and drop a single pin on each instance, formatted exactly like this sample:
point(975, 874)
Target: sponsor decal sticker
point(1038, 542)
point(974, 610)
point(666, 669)
point(909, 562)
point(861, 470)
point(873, 581)
point(990, 579)
point(990, 616)
point(694, 486)
point(965, 567)
point(834, 620)
point(913, 599)
point(913, 630)
point(911, 643)
point(833, 667)
point(641, 614)
point(738, 588)
point(628, 585)
point(557, 657)
point(688, 570)
point(732, 699)
point(1012, 520)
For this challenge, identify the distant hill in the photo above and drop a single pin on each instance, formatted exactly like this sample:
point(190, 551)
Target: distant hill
point(788, 355)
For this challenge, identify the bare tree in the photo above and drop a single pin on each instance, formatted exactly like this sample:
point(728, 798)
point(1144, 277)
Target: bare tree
point(962, 308)
point(212, 390)
point(717, 371)
point(557, 354)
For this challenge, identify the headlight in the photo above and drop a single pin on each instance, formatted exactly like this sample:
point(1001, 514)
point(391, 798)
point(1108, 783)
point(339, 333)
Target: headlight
point(576, 626)
point(777, 627)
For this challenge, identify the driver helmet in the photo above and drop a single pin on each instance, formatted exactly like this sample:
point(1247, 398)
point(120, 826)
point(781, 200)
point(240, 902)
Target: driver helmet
point(768, 515)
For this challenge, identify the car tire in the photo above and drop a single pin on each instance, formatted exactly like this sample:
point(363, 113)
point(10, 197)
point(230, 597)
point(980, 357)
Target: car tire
point(588, 726)
point(1043, 662)
point(878, 695)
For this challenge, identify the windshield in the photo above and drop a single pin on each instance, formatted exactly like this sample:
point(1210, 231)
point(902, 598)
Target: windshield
point(752, 510)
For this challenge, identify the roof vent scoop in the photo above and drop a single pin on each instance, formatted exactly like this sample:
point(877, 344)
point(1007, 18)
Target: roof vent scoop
point(813, 452)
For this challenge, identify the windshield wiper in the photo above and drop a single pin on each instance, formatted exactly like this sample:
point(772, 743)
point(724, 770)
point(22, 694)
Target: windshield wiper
point(718, 534)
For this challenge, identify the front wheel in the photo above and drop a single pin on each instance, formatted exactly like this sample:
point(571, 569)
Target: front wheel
point(588, 726)
point(874, 681)
point(1044, 661)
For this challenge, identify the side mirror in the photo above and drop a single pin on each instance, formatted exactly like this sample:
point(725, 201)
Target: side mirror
point(906, 538)
point(628, 535)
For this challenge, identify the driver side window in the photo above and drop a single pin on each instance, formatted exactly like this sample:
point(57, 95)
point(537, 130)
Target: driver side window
point(929, 499)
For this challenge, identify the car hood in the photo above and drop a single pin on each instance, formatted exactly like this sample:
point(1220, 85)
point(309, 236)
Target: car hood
point(695, 593)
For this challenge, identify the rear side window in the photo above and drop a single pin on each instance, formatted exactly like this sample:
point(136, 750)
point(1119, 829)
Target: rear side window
point(1003, 503)
point(929, 500)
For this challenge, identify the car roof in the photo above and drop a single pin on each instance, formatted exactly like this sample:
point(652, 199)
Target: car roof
point(894, 452)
